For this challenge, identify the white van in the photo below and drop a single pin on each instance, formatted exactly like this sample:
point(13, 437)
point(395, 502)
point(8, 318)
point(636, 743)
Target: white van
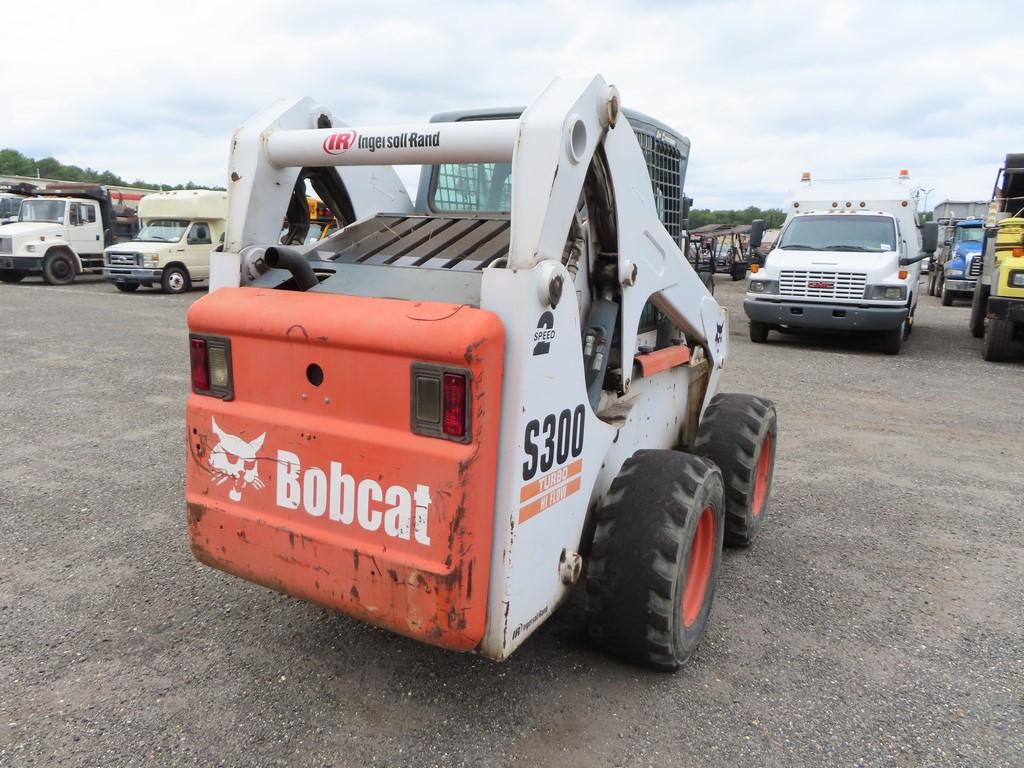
point(848, 259)
point(172, 250)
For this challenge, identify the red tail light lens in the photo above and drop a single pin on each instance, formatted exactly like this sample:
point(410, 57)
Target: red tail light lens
point(200, 365)
point(211, 366)
point(454, 416)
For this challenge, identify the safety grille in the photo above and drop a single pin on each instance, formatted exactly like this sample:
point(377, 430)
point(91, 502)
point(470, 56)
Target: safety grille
point(974, 267)
point(124, 259)
point(5, 245)
point(822, 285)
point(663, 164)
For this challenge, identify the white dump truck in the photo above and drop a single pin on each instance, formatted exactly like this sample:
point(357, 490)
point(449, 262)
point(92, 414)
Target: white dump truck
point(61, 233)
point(172, 250)
point(848, 259)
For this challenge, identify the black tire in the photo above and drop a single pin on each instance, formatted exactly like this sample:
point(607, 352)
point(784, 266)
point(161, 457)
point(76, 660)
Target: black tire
point(739, 433)
point(653, 566)
point(127, 287)
point(892, 341)
point(58, 268)
point(998, 334)
point(932, 275)
point(947, 297)
point(758, 332)
point(11, 275)
point(739, 271)
point(979, 303)
point(175, 280)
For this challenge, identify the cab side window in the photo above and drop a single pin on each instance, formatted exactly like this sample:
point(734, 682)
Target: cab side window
point(75, 214)
point(88, 213)
point(200, 234)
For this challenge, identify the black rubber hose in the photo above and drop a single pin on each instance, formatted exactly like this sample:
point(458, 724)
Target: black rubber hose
point(277, 257)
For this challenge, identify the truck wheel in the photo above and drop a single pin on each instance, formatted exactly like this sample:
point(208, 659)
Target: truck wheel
point(175, 280)
point(758, 332)
point(998, 333)
point(947, 297)
point(11, 275)
point(979, 302)
point(892, 340)
point(931, 282)
point(58, 268)
point(653, 566)
point(127, 287)
point(739, 434)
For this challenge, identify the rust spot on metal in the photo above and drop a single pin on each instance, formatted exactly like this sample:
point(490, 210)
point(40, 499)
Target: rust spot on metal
point(355, 593)
point(242, 535)
point(195, 513)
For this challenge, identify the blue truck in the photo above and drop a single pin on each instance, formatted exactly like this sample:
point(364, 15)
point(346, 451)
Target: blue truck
point(959, 274)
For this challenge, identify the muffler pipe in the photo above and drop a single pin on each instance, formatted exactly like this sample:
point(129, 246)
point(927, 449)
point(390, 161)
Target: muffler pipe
point(277, 257)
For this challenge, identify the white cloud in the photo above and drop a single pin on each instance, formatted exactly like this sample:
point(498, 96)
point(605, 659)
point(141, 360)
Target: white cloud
point(765, 90)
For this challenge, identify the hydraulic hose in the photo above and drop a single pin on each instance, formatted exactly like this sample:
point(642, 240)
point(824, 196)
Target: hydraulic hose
point(277, 257)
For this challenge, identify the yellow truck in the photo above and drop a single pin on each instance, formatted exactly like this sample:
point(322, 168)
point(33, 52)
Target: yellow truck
point(997, 309)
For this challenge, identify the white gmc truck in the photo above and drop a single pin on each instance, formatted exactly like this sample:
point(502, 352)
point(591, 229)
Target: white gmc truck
point(848, 259)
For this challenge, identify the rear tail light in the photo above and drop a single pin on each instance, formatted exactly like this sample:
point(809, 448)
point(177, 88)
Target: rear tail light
point(211, 366)
point(454, 418)
point(440, 402)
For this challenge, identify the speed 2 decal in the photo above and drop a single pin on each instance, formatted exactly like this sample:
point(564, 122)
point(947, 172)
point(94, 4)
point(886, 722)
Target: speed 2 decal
point(544, 334)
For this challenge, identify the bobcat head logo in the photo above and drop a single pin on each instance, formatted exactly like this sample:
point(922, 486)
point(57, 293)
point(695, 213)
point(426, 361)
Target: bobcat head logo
point(718, 334)
point(234, 459)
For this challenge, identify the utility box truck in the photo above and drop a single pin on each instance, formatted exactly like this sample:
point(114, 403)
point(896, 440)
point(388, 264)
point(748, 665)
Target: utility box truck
point(440, 418)
point(172, 250)
point(997, 307)
point(848, 260)
point(61, 233)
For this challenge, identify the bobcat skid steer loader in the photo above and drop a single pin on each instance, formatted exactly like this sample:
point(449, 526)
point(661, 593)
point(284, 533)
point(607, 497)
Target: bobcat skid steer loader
point(441, 417)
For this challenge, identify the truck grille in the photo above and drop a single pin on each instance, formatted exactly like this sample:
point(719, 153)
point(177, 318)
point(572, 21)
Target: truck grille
point(822, 285)
point(5, 245)
point(664, 166)
point(974, 268)
point(124, 259)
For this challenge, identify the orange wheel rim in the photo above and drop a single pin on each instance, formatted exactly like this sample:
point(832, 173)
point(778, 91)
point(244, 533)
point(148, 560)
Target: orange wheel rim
point(698, 566)
point(764, 465)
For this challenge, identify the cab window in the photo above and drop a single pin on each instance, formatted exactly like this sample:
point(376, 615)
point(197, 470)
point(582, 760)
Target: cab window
point(200, 234)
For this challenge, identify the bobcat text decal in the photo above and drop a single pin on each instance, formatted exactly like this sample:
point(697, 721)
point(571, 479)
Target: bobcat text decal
point(346, 499)
point(398, 511)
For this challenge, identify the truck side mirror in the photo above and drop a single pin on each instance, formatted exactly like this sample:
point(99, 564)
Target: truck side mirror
point(929, 236)
point(756, 233)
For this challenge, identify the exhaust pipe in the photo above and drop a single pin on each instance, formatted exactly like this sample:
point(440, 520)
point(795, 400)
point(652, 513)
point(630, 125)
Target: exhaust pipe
point(277, 257)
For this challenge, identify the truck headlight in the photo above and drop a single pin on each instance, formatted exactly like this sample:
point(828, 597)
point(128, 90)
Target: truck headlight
point(763, 286)
point(954, 273)
point(886, 292)
point(150, 261)
point(1016, 278)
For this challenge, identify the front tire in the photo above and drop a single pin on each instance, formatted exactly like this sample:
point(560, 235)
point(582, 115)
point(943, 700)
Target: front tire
point(739, 433)
point(127, 287)
point(979, 303)
point(947, 297)
point(998, 334)
point(175, 280)
point(58, 268)
point(758, 332)
point(892, 341)
point(653, 566)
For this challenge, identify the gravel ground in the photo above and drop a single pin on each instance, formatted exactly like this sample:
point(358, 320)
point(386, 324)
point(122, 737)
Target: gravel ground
point(876, 621)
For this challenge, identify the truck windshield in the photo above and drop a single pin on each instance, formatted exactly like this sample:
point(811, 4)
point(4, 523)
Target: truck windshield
point(9, 206)
point(162, 231)
point(42, 210)
point(473, 187)
point(840, 233)
point(971, 234)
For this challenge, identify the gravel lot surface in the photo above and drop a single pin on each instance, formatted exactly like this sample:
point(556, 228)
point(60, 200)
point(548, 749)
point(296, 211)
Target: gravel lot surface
point(878, 620)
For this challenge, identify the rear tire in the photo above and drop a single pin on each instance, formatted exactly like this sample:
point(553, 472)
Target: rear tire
point(947, 297)
point(739, 433)
point(998, 334)
point(11, 276)
point(127, 287)
point(653, 567)
point(758, 332)
point(58, 268)
point(979, 303)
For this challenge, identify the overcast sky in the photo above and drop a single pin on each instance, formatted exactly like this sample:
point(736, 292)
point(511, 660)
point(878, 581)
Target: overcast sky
point(765, 90)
